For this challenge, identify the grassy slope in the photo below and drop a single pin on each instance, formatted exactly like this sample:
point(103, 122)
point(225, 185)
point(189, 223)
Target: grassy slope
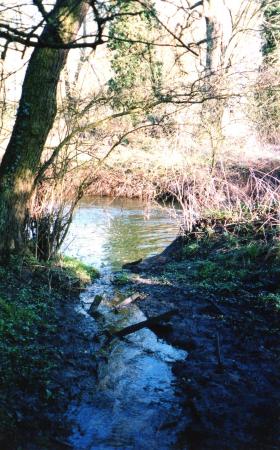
point(230, 265)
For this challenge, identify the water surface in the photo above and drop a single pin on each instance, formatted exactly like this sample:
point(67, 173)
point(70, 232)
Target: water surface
point(108, 232)
point(133, 405)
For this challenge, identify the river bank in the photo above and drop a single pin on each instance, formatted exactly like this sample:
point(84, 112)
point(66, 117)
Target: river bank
point(46, 350)
point(49, 344)
point(226, 292)
point(210, 381)
point(172, 173)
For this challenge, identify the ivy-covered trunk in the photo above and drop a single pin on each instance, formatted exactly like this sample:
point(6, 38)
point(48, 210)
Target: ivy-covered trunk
point(35, 117)
point(218, 33)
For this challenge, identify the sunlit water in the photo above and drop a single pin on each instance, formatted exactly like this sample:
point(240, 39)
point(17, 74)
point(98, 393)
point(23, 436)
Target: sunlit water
point(133, 405)
point(111, 232)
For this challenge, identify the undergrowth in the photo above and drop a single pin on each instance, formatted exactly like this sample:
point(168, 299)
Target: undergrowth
point(121, 279)
point(229, 265)
point(30, 293)
point(76, 269)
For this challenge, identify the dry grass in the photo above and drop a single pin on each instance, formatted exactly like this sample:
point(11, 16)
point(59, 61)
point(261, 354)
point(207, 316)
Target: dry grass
point(226, 203)
point(243, 187)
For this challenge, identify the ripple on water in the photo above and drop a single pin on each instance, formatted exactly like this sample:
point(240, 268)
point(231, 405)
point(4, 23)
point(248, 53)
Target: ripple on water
point(111, 233)
point(134, 397)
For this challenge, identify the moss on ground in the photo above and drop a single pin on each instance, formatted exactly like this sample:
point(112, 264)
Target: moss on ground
point(76, 270)
point(121, 278)
point(229, 265)
point(30, 293)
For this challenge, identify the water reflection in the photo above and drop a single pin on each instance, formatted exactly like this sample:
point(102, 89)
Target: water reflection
point(106, 232)
point(133, 404)
point(134, 398)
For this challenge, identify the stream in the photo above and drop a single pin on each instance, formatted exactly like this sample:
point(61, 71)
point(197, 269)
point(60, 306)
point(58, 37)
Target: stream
point(133, 405)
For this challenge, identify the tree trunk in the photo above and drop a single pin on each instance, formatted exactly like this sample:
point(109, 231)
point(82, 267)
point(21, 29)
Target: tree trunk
point(35, 117)
point(218, 34)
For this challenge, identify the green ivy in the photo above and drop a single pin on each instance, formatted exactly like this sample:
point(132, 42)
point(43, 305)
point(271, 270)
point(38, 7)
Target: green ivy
point(137, 71)
point(271, 29)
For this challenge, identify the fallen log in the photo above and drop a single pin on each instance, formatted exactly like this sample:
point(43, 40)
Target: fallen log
point(128, 300)
point(144, 324)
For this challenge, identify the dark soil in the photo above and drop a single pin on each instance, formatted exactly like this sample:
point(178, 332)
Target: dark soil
point(63, 367)
point(41, 422)
point(229, 384)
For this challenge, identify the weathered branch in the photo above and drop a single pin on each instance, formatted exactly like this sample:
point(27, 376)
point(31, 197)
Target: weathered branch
point(199, 3)
point(71, 135)
point(144, 324)
point(41, 9)
point(127, 301)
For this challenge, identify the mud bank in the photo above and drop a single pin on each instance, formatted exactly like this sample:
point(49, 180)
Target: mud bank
point(229, 384)
point(226, 390)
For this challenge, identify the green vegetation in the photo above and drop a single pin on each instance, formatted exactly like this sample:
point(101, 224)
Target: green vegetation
point(76, 270)
point(271, 33)
point(30, 295)
point(121, 278)
point(229, 265)
point(270, 299)
point(137, 70)
point(267, 91)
